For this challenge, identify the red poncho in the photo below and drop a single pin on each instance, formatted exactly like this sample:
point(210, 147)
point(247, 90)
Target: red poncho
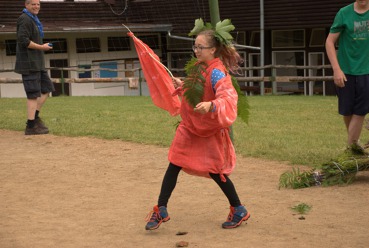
point(202, 144)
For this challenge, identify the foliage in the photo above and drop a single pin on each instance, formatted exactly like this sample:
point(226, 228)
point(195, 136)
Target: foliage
point(194, 81)
point(199, 26)
point(302, 208)
point(243, 107)
point(222, 30)
point(296, 179)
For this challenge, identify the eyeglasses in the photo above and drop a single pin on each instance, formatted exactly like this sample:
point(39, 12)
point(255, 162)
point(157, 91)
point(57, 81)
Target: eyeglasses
point(199, 48)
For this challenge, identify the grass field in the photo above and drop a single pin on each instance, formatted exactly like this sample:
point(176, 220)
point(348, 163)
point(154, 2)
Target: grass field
point(298, 129)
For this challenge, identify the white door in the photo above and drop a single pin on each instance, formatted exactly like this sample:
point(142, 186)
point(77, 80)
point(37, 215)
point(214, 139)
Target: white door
point(316, 59)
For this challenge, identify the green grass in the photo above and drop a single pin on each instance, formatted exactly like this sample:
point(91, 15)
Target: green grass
point(298, 129)
point(302, 208)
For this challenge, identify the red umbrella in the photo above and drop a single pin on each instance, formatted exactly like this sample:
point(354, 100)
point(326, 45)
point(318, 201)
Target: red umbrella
point(158, 78)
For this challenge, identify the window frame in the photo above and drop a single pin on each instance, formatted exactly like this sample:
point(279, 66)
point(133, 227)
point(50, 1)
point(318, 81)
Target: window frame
point(274, 36)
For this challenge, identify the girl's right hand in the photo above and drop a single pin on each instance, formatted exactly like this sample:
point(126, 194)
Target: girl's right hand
point(177, 82)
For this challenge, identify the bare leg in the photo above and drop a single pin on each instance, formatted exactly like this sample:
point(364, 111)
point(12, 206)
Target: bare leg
point(354, 125)
point(31, 108)
point(41, 100)
point(347, 120)
point(35, 104)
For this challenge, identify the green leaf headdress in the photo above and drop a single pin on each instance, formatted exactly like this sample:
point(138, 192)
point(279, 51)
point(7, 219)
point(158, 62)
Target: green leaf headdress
point(222, 30)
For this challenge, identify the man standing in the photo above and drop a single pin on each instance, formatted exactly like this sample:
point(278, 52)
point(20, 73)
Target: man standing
point(351, 65)
point(30, 63)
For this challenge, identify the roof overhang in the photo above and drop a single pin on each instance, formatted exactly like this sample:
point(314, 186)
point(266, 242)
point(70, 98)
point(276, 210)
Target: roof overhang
point(132, 27)
point(93, 27)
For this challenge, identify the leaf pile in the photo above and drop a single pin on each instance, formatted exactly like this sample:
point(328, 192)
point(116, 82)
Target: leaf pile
point(339, 171)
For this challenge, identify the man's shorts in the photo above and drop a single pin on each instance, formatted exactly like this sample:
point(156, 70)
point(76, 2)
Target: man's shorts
point(353, 99)
point(37, 83)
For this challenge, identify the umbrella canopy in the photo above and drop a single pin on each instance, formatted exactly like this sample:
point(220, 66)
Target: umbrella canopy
point(157, 77)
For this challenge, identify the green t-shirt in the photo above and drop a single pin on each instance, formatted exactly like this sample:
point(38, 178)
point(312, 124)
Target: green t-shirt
point(353, 50)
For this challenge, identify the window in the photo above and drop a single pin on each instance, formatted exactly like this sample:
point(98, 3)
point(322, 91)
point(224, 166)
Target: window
point(288, 38)
point(84, 74)
point(118, 44)
point(59, 46)
point(254, 60)
point(151, 40)
point(177, 62)
point(58, 72)
point(88, 45)
point(255, 39)
point(317, 38)
point(52, 0)
point(112, 67)
point(11, 47)
point(58, 64)
point(239, 37)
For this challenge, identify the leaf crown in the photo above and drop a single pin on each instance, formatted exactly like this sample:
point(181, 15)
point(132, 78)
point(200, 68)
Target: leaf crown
point(221, 30)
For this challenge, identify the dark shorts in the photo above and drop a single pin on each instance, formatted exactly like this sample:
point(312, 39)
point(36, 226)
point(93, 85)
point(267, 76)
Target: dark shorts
point(353, 99)
point(36, 84)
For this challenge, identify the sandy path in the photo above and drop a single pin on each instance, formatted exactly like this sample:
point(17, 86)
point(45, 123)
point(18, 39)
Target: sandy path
point(86, 192)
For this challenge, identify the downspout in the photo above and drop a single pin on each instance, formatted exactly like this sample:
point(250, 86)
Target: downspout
point(191, 39)
point(262, 47)
point(214, 12)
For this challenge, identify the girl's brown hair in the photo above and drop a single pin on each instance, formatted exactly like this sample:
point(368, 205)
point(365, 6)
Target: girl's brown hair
point(226, 52)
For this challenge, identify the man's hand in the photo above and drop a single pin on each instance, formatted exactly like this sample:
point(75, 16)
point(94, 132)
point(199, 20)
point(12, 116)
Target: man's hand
point(339, 78)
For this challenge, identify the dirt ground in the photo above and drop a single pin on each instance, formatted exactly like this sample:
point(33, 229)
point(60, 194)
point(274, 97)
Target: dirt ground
point(86, 192)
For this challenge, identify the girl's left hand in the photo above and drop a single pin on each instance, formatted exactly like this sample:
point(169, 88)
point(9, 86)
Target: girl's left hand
point(203, 107)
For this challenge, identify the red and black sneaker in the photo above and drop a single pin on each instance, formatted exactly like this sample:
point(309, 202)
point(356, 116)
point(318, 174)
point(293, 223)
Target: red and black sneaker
point(236, 216)
point(156, 217)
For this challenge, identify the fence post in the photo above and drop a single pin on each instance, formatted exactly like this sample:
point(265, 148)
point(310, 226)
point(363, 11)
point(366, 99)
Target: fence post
point(274, 83)
point(140, 80)
point(62, 82)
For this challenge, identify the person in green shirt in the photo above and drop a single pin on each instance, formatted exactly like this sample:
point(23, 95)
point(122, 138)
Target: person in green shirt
point(350, 65)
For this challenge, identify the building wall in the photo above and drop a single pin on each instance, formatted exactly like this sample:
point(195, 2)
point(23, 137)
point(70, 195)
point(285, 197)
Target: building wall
point(245, 14)
point(288, 15)
point(123, 59)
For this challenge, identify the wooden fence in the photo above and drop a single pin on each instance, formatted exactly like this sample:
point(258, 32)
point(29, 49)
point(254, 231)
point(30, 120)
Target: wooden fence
point(246, 82)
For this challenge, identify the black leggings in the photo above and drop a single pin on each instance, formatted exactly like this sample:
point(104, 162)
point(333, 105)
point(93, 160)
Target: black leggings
point(170, 181)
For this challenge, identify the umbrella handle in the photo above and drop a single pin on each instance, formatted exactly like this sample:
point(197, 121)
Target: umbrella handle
point(127, 28)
